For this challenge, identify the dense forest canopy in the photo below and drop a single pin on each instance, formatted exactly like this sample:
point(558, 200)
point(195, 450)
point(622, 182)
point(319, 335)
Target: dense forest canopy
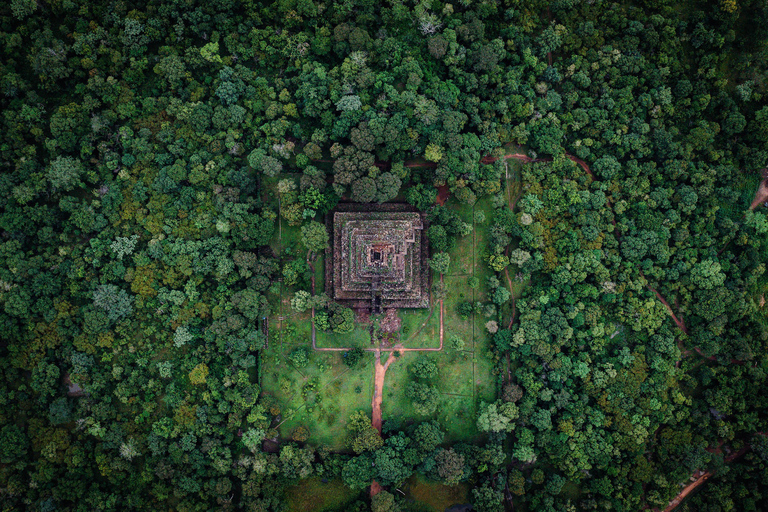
point(165, 169)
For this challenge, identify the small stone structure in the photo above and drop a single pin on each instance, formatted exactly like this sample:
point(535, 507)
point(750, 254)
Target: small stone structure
point(379, 257)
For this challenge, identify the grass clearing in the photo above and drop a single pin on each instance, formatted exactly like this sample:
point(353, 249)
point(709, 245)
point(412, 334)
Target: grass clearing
point(453, 323)
point(457, 415)
point(359, 337)
point(420, 329)
point(425, 495)
point(455, 372)
point(396, 403)
point(320, 396)
point(314, 495)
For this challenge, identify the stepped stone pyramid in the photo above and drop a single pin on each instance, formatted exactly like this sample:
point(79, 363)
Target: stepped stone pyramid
point(379, 257)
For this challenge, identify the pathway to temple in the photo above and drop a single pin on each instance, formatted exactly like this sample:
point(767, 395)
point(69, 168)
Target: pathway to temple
point(379, 371)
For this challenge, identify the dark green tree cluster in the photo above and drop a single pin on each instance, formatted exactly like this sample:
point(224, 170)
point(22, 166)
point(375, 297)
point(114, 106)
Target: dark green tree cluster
point(152, 153)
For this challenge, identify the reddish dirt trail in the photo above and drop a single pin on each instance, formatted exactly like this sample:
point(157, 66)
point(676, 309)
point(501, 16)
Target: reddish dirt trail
point(379, 371)
point(678, 321)
point(761, 195)
point(700, 477)
point(703, 476)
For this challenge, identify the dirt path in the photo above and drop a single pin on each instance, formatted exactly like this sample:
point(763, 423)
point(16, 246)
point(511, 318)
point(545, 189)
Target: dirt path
point(443, 193)
point(702, 476)
point(379, 371)
point(761, 195)
point(678, 321)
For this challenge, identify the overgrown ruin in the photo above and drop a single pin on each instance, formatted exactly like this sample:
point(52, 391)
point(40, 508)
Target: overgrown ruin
point(379, 257)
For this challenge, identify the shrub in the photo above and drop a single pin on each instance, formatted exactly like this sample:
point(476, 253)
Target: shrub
point(353, 357)
point(424, 368)
point(299, 357)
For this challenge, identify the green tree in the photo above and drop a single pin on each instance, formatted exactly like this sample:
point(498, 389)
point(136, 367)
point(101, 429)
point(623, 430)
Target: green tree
point(300, 301)
point(115, 301)
point(299, 357)
point(384, 502)
point(64, 173)
point(364, 190)
point(487, 499)
point(450, 466)
point(424, 398)
point(352, 358)
point(424, 368)
point(13, 443)
point(23, 8)
point(314, 236)
point(358, 472)
point(497, 417)
point(428, 436)
point(440, 262)
point(387, 186)
point(391, 468)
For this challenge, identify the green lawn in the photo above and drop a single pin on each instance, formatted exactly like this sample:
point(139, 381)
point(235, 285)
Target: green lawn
point(360, 337)
point(420, 329)
point(395, 403)
point(321, 396)
point(453, 323)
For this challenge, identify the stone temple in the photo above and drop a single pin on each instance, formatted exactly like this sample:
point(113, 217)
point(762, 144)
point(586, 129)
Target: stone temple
point(379, 257)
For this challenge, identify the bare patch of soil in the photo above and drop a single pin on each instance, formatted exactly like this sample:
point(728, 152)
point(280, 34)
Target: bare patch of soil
point(391, 322)
point(761, 196)
point(363, 316)
point(443, 193)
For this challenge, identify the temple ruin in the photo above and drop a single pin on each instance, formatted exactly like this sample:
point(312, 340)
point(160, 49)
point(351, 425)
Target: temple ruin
point(378, 259)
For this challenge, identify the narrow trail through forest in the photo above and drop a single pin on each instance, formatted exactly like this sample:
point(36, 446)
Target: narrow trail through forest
point(702, 476)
